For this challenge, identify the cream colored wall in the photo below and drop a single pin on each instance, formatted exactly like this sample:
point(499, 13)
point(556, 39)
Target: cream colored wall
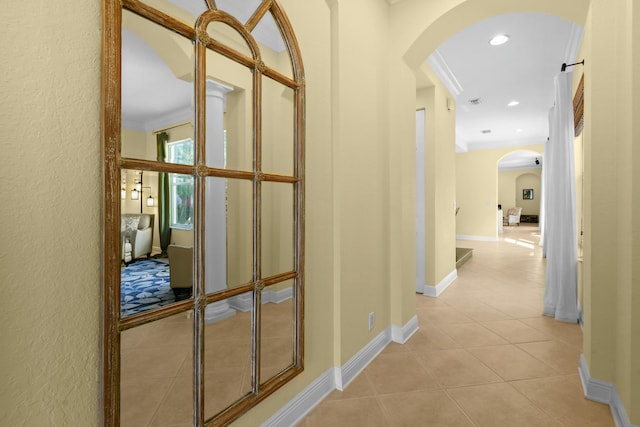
point(311, 23)
point(530, 181)
point(51, 197)
point(440, 182)
point(360, 170)
point(477, 191)
point(611, 253)
point(507, 189)
point(510, 194)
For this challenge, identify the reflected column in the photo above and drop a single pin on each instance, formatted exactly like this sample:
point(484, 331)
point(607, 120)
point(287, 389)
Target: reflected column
point(215, 207)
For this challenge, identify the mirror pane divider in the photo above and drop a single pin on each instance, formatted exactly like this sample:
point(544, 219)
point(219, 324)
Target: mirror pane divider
point(216, 46)
point(204, 170)
point(257, 15)
point(153, 315)
point(154, 166)
point(280, 78)
point(199, 244)
point(280, 178)
point(158, 17)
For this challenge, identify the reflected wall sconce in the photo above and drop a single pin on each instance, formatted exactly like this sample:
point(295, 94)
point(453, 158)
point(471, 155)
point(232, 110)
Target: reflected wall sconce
point(136, 192)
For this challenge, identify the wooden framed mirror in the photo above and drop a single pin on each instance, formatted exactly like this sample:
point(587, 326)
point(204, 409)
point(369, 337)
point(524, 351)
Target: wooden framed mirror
point(203, 216)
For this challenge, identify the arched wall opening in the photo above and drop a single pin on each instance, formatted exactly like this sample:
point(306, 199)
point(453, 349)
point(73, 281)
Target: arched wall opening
point(519, 172)
point(416, 30)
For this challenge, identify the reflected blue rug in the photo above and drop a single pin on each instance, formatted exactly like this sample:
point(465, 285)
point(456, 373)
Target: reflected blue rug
point(144, 285)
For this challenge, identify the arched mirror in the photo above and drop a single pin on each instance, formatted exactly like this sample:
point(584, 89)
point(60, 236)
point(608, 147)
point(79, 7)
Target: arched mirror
point(203, 136)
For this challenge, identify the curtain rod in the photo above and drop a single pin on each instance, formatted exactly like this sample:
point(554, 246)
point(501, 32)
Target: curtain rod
point(564, 65)
point(172, 127)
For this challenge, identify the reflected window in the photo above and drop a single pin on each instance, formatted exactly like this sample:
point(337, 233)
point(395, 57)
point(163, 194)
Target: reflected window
point(181, 186)
point(181, 201)
point(180, 152)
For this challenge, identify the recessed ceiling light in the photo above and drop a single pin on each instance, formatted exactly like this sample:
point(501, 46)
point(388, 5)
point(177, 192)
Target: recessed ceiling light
point(519, 130)
point(513, 103)
point(499, 39)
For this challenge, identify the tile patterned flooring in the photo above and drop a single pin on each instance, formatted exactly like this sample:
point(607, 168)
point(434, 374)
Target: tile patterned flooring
point(484, 355)
point(157, 365)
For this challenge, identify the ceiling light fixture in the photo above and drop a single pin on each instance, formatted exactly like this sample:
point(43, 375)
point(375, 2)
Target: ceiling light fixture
point(519, 130)
point(513, 103)
point(499, 39)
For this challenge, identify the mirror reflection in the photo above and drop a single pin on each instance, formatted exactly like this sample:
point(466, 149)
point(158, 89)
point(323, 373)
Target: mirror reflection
point(155, 272)
point(277, 228)
point(277, 128)
point(229, 106)
point(277, 326)
point(156, 380)
point(157, 87)
point(228, 233)
point(158, 354)
point(227, 359)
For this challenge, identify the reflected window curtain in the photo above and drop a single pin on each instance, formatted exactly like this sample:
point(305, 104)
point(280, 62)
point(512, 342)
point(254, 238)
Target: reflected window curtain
point(560, 297)
point(164, 207)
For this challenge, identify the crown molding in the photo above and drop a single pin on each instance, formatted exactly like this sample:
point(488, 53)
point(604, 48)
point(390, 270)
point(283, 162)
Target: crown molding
point(440, 67)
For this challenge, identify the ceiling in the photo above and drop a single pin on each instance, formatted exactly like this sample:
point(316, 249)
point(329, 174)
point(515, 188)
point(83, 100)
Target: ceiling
point(520, 70)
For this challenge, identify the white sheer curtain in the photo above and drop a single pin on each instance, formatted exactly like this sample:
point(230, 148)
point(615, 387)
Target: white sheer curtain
point(560, 297)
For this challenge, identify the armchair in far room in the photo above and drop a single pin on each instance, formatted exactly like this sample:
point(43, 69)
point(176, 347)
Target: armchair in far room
point(513, 216)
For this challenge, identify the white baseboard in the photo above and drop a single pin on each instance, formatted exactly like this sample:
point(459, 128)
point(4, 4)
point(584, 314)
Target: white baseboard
point(355, 365)
point(402, 334)
point(277, 297)
point(338, 378)
point(603, 392)
point(479, 238)
point(434, 291)
point(304, 402)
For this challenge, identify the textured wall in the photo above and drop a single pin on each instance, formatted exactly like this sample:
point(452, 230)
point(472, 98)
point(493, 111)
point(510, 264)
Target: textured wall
point(50, 213)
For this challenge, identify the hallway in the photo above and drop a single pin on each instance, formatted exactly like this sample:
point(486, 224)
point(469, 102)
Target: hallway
point(484, 355)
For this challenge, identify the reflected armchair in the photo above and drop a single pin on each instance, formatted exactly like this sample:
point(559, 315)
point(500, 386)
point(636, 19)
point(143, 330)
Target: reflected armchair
point(136, 236)
point(180, 271)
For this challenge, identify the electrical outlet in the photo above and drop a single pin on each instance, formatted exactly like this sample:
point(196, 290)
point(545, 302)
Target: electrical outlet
point(372, 320)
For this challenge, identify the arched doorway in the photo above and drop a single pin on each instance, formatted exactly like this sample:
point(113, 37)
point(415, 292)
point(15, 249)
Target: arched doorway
point(520, 184)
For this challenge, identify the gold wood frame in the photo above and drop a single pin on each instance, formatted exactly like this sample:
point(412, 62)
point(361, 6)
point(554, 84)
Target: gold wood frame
point(113, 324)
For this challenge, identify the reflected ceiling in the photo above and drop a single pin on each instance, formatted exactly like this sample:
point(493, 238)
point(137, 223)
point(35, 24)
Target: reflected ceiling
point(144, 106)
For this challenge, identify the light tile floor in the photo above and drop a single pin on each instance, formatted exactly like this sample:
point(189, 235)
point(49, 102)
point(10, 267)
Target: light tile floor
point(157, 365)
point(484, 355)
